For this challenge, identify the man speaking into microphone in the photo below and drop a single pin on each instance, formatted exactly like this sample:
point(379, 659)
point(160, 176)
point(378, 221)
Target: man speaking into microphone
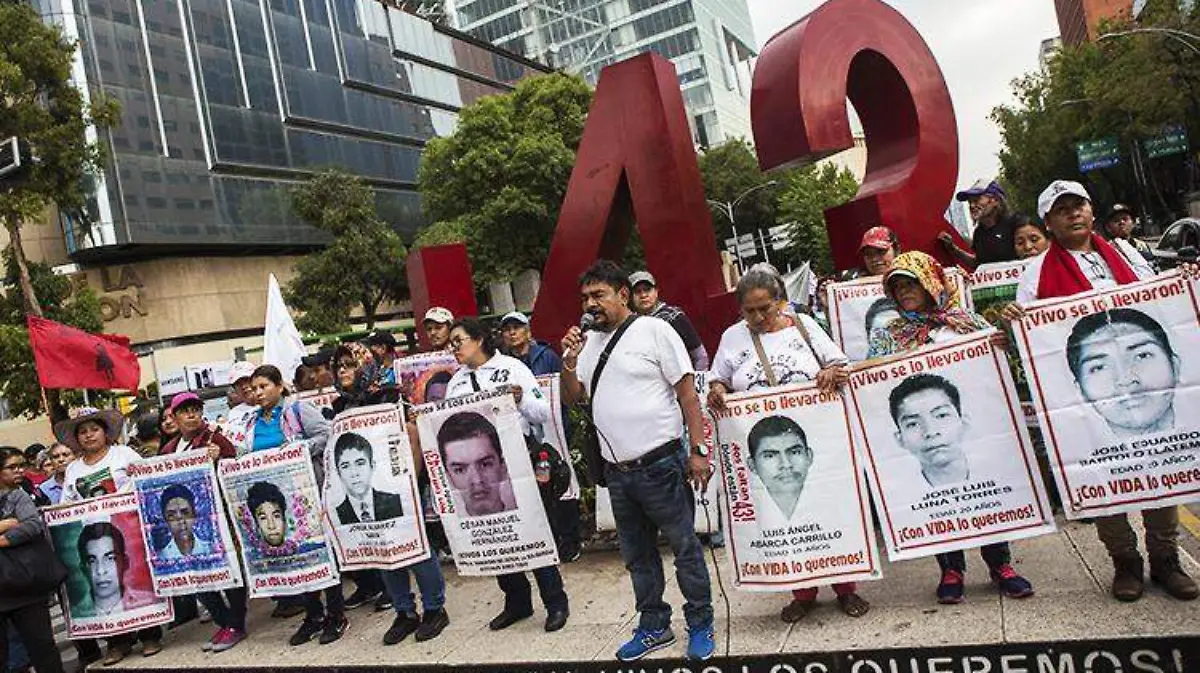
point(639, 377)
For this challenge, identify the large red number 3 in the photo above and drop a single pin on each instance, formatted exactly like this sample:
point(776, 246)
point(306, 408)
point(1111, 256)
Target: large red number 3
point(865, 51)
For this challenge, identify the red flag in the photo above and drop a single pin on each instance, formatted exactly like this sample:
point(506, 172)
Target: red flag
point(67, 357)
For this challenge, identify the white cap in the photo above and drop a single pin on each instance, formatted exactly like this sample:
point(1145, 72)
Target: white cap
point(515, 316)
point(1057, 189)
point(241, 370)
point(642, 277)
point(439, 314)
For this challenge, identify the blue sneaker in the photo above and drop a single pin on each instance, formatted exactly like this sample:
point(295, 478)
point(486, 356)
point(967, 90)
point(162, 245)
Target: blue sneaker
point(644, 642)
point(701, 644)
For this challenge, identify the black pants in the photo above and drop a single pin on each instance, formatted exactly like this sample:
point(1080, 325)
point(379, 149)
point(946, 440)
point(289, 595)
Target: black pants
point(334, 607)
point(228, 608)
point(369, 581)
point(518, 594)
point(90, 649)
point(32, 623)
point(565, 521)
point(185, 609)
point(994, 555)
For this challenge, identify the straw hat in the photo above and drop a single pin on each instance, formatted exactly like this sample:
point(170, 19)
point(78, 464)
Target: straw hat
point(110, 419)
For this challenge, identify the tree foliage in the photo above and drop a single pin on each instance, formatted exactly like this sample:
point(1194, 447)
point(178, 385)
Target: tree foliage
point(1125, 86)
point(807, 193)
point(498, 182)
point(18, 377)
point(730, 170)
point(362, 267)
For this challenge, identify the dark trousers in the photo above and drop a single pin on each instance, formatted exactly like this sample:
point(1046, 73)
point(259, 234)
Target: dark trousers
point(566, 522)
point(518, 594)
point(185, 609)
point(228, 608)
point(334, 607)
point(369, 581)
point(994, 555)
point(32, 623)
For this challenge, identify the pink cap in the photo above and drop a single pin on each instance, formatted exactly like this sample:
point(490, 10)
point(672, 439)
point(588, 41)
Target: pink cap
point(182, 399)
point(880, 238)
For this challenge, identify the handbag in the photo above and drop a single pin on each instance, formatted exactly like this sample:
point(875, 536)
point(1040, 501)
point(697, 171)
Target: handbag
point(560, 471)
point(591, 434)
point(29, 570)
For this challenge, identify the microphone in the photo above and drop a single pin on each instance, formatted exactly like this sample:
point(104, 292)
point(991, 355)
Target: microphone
point(587, 321)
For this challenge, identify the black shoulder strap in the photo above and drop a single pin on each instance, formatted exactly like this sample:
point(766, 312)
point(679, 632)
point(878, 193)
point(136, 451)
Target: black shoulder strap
point(603, 360)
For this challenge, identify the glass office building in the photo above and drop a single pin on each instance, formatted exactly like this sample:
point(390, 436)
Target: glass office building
point(709, 41)
point(227, 103)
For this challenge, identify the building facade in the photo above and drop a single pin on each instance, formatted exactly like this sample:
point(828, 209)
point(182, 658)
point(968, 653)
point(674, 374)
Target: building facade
point(1079, 19)
point(226, 104)
point(709, 41)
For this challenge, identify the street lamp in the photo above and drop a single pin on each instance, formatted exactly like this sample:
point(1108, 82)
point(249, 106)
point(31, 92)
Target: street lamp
point(1177, 35)
point(727, 208)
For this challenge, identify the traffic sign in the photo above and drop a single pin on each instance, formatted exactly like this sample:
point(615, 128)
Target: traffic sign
point(1172, 140)
point(1098, 153)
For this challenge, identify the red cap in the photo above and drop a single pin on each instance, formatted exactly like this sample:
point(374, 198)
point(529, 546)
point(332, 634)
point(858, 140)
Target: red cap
point(877, 237)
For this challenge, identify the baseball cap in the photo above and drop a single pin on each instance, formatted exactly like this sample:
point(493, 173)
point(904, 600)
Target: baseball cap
point(184, 398)
point(1057, 190)
point(880, 238)
point(321, 357)
point(982, 186)
point(241, 369)
point(515, 316)
point(382, 338)
point(439, 314)
point(1119, 209)
point(641, 277)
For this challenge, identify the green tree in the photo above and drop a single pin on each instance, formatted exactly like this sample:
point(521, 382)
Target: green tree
point(807, 193)
point(1127, 86)
point(498, 181)
point(728, 172)
point(18, 376)
point(363, 266)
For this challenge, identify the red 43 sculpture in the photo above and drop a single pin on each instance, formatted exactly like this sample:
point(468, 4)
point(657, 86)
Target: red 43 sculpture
point(636, 164)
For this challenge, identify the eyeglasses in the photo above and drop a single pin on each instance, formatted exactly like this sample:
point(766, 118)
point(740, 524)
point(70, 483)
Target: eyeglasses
point(457, 342)
point(15, 466)
point(1096, 266)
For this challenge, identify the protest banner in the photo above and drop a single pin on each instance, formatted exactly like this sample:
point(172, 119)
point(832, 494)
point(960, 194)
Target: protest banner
point(858, 307)
point(947, 453)
point(321, 399)
point(795, 500)
point(994, 286)
point(1115, 377)
point(276, 510)
point(707, 517)
point(423, 377)
point(483, 486)
point(108, 588)
point(554, 433)
point(372, 504)
point(188, 543)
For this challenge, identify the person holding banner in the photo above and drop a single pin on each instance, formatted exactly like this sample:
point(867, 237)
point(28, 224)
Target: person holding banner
point(1030, 237)
point(278, 422)
point(769, 348)
point(930, 312)
point(101, 469)
point(878, 249)
point(482, 368)
point(1077, 261)
point(357, 381)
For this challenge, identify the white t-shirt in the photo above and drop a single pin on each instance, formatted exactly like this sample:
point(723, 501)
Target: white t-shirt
point(738, 366)
point(112, 466)
point(636, 409)
point(1093, 266)
point(502, 370)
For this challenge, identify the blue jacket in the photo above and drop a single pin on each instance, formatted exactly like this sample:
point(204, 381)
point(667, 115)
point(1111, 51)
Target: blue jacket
point(541, 359)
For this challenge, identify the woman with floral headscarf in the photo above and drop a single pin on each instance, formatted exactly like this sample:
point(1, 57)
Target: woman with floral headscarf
point(931, 312)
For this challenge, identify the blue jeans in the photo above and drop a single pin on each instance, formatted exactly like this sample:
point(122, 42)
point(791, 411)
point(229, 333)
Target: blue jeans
point(429, 581)
point(645, 501)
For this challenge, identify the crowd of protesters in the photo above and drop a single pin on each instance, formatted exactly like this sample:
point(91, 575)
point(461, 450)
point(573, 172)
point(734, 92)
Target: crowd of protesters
point(645, 408)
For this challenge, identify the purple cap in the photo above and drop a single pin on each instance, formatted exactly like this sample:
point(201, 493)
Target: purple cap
point(182, 399)
point(982, 186)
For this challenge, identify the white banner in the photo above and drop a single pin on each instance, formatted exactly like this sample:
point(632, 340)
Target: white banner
point(1115, 377)
point(554, 433)
point(994, 286)
point(322, 398)
point(795, 502)
point(108, 588)
point(946, 450)
point(423, 377)
point(272, 496)
point(188, 543)
point(483, 485)
point(858, 307)
point(371, 500)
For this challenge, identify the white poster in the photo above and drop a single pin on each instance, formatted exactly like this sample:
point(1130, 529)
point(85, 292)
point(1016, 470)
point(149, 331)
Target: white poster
point(371, 499)
point(795, 501)
point(188, 544)
point(483, 485)
point(946, 449)
point(1114, 378)
point(859, 307)
point(554, 433)
point(322, 398)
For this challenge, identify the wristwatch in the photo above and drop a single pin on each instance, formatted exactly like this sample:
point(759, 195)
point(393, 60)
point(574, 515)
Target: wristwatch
point(701, 450)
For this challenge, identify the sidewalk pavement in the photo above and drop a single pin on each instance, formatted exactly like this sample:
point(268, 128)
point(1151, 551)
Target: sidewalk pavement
point(1070, 571)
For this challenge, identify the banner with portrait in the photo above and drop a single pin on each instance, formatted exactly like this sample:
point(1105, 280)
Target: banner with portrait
point(322, 398)
point(483, 486)
point(994, 286)
point(372, 503)
point(423, 377)
point(554, 433)
point(858, 307)
point(188, 543)
point(1118, 394)
point(108, 588)
point(273, 500)
point(946, 450)
point(795, 500)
